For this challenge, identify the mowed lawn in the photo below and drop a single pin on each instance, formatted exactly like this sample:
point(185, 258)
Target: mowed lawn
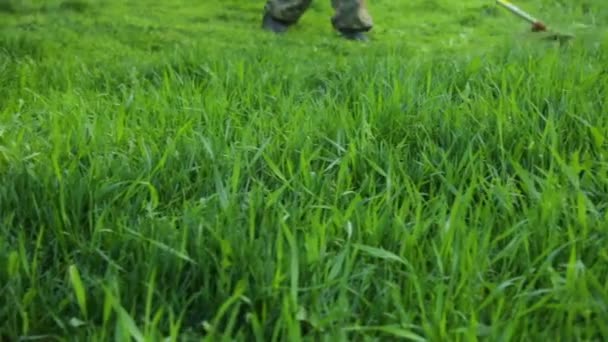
point(169, 171)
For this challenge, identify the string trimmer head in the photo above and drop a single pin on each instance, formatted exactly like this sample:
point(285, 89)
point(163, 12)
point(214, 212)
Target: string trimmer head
point(537, 25)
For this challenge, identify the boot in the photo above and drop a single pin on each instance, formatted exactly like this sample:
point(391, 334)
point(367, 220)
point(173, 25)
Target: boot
point(354, 35)
point(271, 24)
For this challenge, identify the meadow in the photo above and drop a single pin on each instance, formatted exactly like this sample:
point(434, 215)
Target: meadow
point(171, 172)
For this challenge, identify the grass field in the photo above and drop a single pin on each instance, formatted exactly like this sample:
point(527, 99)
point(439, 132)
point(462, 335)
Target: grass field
point(169, 170)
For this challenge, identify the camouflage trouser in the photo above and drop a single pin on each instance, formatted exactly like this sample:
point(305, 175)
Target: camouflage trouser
point(349, 14)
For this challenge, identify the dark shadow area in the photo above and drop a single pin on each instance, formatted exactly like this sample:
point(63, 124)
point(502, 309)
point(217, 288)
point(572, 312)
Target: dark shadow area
point(7, 7)
point(19, 47)
point(488, 10)
point(74, 5)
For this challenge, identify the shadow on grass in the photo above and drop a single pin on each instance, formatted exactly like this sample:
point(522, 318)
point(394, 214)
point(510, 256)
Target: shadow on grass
point(77, 6)
point(74, 5)
point(7, 7)
point(19, 47)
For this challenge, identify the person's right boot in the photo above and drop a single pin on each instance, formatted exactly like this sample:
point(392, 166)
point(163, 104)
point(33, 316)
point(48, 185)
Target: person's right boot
point(275, 25)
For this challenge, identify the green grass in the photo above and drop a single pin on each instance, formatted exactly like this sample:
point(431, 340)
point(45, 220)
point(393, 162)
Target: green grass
point(169, 170)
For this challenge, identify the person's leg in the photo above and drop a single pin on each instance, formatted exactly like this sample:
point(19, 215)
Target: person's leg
point(280, 14)
point(351, 18)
